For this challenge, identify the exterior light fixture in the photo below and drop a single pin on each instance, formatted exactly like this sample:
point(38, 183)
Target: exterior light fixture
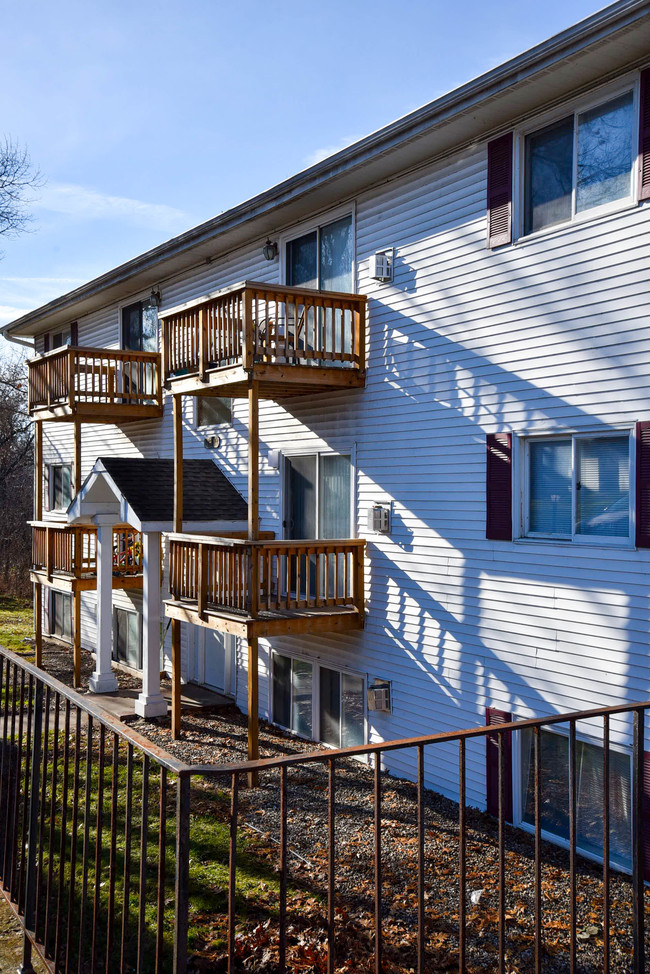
point(155, 298)
point(270, 250)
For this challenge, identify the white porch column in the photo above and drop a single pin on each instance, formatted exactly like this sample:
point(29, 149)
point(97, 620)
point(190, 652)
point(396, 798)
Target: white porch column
point(103, 679)
point(151, 703)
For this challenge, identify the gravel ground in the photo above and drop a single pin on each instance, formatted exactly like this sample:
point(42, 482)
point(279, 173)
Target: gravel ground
point(220, 737)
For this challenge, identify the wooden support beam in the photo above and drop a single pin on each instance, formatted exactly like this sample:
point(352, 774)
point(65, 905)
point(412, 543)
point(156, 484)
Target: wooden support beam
point(176, 679)
point(76, 636)
point(253, 460)
point(38, 470)
point(76, 470)
point(253, 708)
point(253, 535)
point(38, 623)
point(178, 464)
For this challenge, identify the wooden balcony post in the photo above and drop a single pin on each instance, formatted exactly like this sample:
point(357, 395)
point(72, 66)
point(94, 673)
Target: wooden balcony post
point(359, 580)
point(202, 579)
point(76, 636)
point(176, 679)
point(253, 708)
point(164, 358)
point(70, 377)
point(49, 551)
point(247, 329)
point(203, 344)
point(253, 460)
point(38, 624)
point(38, 470)
point(178, 464)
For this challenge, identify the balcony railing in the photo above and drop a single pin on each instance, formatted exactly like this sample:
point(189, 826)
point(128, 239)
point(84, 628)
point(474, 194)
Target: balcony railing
point(277, 577)
point(71, 550)
point(93, 380)
point(253, 324)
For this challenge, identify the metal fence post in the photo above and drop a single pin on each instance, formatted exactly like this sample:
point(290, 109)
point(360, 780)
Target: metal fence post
point(32, 846)
point(181, 906)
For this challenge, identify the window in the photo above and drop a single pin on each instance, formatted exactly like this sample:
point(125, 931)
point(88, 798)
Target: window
point(578, 487)
point(318, 702)
point(322, 258)
point(61, 615)
point(140, 327)
point(127, 638)
point(578, 163)
point(213, 410)
point(60, 486)
point(318, 492)
point(554, 749)
point(61, 338)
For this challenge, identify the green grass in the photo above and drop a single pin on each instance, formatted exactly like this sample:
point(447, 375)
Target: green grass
point(16, 624)
point(257, 885)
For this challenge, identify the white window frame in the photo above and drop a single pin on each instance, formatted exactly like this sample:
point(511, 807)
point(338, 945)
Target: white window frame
point(51, 468)
point(315, 693)
point(314, 452)
point(315, 223)
point(593, 100)
point(552, 837)
point(209, 426)
point(522, 460)
point(57, 593)
point(114, 656)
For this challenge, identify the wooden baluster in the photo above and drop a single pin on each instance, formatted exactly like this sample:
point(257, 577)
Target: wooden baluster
point(202, 579)
point(49, 542)
point(71, 362)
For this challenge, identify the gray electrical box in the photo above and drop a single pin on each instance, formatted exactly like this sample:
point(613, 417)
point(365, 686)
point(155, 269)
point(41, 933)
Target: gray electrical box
point(379, 518)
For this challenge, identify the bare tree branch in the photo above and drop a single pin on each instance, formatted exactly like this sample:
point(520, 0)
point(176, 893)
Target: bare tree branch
point(18, 179)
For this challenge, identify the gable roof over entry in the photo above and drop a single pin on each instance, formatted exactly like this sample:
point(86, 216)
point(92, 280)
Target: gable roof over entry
point(141, 493)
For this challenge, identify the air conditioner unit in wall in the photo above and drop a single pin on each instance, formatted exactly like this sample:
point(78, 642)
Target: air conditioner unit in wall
point(379, 696)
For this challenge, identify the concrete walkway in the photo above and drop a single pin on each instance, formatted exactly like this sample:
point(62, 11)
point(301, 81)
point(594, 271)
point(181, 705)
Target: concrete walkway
point(121, 704)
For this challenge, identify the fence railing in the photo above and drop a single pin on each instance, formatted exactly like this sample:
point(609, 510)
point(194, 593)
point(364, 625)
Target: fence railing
point(72, 549)
point(266, 576)
point(93, 376)
point(108, 855)
point(261, 323)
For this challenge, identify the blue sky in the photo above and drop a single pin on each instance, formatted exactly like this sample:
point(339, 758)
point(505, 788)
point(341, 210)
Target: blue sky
point(147, 118)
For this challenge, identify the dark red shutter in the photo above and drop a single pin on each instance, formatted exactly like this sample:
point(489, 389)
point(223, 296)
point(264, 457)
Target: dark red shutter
point(645, 817)
point(46, 341)
point(644, 136)
point(499, 191)
point(493, 716)
point(643, 485)
point(46, 486)
point(498, 522)
point(74, 334)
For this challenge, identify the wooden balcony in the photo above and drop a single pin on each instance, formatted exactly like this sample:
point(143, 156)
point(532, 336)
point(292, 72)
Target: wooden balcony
point(65, 556)
point(266, 588)
point(292, 340)
point(95, 385)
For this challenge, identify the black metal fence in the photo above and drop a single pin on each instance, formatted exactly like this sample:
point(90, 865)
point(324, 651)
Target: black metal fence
point(102, 834)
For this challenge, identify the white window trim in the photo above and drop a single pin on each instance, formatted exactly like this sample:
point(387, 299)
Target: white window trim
point(600, 96)
point(350, 451)
point(212, 426)
point(521, 488)
point(114, 656)
point(517, 783)
point(51, 468)
point(307, 226)
point(315, 694)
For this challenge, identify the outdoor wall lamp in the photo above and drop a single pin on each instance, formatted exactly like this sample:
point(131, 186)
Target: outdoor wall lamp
point(270, 250)
point(155, 298)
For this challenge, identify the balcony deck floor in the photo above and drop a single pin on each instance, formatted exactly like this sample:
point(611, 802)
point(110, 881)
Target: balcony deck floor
point(333, 618)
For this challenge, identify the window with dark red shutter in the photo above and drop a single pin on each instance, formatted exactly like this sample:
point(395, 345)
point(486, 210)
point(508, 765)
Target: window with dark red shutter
point(644, 136)
point(643, 485)
point(46, 342)
point(74, 334)
point(494, 716)
point(498, 523)
point(499, 191)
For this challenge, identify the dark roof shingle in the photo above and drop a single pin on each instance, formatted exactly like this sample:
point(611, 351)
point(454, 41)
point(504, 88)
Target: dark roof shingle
point(148, 486)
